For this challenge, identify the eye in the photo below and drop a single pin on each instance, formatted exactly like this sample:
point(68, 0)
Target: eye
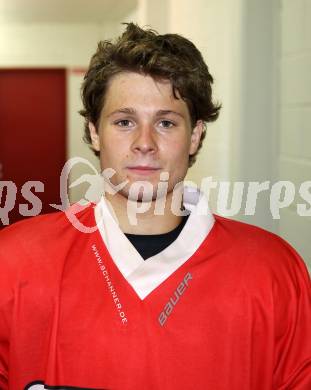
point(166, 124)
point(123, 123)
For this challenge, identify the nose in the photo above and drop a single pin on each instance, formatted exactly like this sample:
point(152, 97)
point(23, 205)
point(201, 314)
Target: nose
point(145, 140)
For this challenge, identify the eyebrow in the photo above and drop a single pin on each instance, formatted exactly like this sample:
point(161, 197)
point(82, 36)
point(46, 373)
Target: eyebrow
point(165, 112)
point(132, 111)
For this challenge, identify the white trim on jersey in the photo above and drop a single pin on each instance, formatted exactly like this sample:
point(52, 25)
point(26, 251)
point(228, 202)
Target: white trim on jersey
point(146, 275)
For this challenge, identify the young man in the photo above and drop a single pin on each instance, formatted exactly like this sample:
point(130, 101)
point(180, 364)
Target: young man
point(176, 298)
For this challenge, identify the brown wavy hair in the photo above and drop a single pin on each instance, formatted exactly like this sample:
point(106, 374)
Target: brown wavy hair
point(168, 56)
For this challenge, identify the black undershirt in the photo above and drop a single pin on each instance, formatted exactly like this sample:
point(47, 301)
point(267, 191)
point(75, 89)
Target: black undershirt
point(148, 245)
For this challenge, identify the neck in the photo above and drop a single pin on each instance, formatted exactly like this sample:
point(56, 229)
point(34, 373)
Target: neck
point(144, 218)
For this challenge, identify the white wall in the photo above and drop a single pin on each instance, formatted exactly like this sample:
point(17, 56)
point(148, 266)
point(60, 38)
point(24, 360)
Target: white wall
point(254, 102)
point(37, 45)
point(295, 116)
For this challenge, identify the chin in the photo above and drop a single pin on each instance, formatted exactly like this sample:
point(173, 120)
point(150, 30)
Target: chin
point(141, 196)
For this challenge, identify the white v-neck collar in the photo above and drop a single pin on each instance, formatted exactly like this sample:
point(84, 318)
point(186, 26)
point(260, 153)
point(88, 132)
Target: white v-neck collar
point(146, 275)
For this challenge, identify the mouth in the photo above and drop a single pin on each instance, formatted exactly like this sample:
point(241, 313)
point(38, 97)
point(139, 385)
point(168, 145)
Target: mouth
point(143, 170)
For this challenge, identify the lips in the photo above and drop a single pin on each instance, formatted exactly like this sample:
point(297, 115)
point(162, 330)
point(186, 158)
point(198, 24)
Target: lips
point(143, 169)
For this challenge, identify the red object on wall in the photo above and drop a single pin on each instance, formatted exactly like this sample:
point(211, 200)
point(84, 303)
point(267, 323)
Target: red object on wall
point(32, 137)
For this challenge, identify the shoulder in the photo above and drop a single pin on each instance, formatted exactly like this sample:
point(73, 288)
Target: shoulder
point(42, 229)
point(261, 253)
point(31, 229)
point(251, 238)
point(36, 230)
point(36, 242)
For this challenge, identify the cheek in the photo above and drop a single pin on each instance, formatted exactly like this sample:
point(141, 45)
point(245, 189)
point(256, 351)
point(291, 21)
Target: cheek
point(178, 151)
point(111, 148)
point(116, 144)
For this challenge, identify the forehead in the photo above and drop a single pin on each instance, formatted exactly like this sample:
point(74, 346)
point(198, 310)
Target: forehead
point(142, 92)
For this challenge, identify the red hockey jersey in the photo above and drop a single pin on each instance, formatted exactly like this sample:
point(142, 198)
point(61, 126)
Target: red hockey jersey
point(226, 306)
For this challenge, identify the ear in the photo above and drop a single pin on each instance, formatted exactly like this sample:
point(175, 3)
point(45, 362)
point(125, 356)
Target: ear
point(94, 137)
point(196, 137)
